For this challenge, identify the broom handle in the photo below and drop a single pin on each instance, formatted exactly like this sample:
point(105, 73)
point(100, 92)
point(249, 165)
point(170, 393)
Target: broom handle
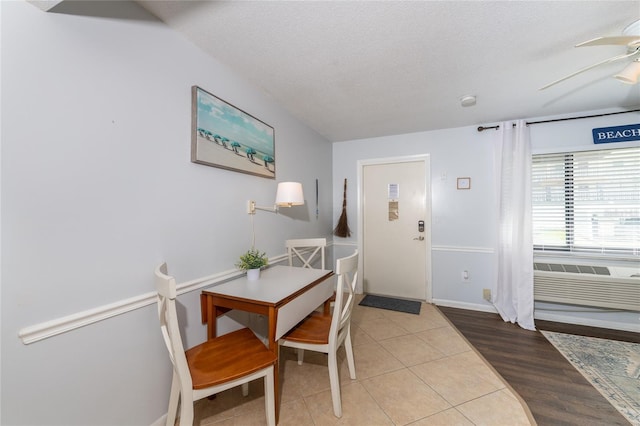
point(344, 196)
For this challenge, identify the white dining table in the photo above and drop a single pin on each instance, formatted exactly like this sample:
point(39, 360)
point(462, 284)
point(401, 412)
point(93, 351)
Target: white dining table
point(284, 294)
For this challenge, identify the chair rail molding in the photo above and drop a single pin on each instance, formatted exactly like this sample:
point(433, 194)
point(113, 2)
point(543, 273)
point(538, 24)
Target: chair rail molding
point(463, 249)
point(44, 330)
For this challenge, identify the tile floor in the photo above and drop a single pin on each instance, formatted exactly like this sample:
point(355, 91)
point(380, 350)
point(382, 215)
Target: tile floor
point(411, 369)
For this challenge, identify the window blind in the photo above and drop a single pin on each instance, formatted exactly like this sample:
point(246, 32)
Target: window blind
point(587, 201)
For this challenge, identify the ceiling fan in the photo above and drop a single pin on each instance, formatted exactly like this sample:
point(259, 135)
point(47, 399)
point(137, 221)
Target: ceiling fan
point(631, 38)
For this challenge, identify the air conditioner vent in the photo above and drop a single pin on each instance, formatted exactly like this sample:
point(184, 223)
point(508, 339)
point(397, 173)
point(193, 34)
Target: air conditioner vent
point(587, 286)
point(601, 270)
point(572, 268)
point(576, 269)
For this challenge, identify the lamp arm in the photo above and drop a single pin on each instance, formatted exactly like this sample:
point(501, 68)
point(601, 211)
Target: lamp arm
point(288, 194)
point(252, 207)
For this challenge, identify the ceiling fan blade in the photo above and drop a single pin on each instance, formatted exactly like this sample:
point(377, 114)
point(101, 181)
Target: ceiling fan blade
point(606, 61)
point(617, 40)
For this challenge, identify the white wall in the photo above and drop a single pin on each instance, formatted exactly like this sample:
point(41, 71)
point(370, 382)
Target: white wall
point(98, 189)
point(464, 223)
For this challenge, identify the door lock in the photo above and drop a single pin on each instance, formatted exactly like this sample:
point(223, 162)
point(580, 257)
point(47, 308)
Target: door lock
point(421, 226)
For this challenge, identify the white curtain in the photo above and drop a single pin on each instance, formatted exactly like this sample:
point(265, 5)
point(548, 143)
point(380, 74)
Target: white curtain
point(512, 294)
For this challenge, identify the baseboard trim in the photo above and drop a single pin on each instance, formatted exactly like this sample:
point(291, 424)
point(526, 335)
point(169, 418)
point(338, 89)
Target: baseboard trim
point(161, 421)
point(545, 316)
point(464, 305)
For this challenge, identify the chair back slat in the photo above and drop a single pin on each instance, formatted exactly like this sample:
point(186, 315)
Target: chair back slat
point(166, 287)
point(347, 272)
point(305, 250)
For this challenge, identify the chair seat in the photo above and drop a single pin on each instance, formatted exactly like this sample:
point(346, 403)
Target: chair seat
point(313, 329)
point(210, 363)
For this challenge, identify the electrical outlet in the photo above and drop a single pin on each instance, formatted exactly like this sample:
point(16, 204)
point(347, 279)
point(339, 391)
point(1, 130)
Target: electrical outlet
point(486, 294)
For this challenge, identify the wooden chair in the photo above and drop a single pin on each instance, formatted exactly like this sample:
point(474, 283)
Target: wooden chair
point(213, 366)
point(305, 250)
point(325, 333)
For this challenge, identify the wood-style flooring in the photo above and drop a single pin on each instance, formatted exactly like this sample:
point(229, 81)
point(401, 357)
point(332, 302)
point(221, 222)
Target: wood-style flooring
point(556, 393)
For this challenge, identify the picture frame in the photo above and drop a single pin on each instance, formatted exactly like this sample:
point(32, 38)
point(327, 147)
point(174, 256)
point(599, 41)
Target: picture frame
point(227, 137)
point(464, 183)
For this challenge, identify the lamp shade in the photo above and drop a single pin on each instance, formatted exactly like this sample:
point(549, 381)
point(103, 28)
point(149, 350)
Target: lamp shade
point(630, 73)
point(289, 194)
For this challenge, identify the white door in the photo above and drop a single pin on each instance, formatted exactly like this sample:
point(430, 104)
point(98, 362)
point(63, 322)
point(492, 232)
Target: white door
point(396, 228)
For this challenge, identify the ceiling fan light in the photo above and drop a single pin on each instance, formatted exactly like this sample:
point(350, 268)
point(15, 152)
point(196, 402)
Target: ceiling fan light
point(468, 100)
point(630, 73)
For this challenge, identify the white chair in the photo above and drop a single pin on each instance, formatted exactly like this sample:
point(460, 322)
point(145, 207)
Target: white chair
point(211, 367)
point(325, 333)
point(305, 250)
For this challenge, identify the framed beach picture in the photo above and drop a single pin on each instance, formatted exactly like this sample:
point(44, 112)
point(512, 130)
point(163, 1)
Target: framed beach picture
point(226, 137)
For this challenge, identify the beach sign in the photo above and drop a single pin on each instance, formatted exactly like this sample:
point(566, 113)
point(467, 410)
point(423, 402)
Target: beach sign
point(626, 133)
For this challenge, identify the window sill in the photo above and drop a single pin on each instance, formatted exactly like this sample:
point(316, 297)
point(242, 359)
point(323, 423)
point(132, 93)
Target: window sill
point(590, 257)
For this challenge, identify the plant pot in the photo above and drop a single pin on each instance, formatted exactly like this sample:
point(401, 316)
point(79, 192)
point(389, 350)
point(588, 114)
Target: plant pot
point(253, 274)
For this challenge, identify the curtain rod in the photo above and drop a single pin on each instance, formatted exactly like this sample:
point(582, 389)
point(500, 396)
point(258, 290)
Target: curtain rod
point(483, 128)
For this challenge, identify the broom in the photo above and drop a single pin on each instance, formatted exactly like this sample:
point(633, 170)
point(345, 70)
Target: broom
point(342, 229)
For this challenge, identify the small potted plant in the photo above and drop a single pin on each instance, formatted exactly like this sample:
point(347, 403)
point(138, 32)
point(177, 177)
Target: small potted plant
point(252, 261)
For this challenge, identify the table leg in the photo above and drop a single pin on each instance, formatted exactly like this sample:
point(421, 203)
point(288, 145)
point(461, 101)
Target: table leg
point(327, 304)
point(273, 346)
point(203, 308)
point(212, 318)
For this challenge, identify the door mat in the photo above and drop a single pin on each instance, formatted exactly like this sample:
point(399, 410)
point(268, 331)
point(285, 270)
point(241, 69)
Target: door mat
point(400, 305)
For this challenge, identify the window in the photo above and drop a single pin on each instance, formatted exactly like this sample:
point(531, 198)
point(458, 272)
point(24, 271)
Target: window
point(587, 201)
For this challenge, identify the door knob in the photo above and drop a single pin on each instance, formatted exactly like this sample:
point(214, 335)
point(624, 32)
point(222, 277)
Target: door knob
point(420, 238)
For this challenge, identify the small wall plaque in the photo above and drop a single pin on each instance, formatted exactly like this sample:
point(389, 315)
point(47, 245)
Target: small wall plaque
point(464, 183)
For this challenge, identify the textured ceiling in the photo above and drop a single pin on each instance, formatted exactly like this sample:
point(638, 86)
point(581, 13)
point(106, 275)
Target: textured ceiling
point(359, 69)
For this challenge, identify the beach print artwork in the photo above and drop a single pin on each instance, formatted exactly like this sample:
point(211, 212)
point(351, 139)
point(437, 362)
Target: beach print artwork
point(226, 137)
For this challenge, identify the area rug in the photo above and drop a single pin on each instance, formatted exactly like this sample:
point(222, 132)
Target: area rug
point(611, 366)
point(392, 304)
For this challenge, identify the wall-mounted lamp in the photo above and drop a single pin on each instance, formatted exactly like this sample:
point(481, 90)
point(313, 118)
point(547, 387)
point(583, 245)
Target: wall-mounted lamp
point(288, 194)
